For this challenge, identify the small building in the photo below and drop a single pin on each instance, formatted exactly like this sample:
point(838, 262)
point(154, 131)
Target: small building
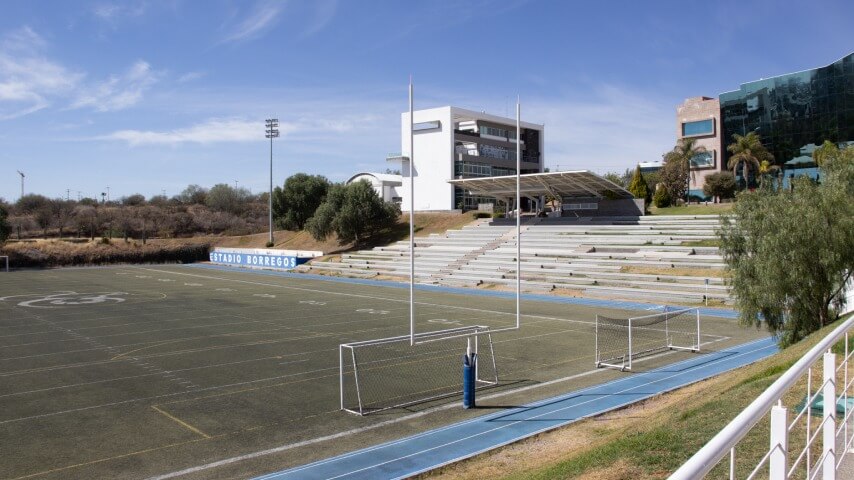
point(454, 143)
point(386, 185)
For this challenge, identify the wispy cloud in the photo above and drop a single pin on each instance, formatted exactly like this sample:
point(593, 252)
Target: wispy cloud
point(113, 11)
point(263, 16)
point(28, 80)
point(324, 12)
point(119, 91)
point(190, 76)
point(211, 131)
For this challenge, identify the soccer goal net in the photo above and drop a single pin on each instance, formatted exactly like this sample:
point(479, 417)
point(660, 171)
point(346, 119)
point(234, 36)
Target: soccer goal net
point(621, 340)
point(377, 375)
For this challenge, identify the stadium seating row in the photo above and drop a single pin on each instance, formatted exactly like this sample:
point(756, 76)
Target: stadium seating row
point(656, 258)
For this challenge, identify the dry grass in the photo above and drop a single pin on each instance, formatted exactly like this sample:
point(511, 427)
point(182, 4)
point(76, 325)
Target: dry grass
point(684, 272)
point(54, 253)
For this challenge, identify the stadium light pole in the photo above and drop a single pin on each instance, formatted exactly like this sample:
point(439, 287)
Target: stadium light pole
point(22, 182)
point(272, 132)
point(518, 212)
point(411, 219)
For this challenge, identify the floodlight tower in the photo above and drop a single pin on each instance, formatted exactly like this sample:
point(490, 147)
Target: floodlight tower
point(271, 133)
point(22, 182)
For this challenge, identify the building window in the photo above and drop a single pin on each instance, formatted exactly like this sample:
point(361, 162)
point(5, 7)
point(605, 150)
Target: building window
point(703, 160)
point(700, 127)
point(498, 132)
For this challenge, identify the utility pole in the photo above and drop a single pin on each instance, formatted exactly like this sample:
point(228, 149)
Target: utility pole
point(108, 194)
point(22, 182)
point(67, 194)
point(272, 132)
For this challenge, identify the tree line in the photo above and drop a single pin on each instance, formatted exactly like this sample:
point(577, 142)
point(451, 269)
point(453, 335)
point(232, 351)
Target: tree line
point(221, 209)
point(354, 213)
point(750, 166)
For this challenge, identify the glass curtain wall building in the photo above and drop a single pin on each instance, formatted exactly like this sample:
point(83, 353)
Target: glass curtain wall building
point(793, 114)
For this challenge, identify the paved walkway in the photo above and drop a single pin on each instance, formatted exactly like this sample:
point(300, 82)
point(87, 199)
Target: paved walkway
point(426, 451)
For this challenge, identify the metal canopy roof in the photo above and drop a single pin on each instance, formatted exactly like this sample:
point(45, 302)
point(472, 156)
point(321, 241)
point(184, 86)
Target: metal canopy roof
point(579, 183)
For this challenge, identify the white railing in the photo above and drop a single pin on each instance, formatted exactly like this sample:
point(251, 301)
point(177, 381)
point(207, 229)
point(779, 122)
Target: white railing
point(833, 438)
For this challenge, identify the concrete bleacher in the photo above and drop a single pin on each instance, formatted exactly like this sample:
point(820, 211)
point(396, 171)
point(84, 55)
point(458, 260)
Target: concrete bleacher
point(590, 256)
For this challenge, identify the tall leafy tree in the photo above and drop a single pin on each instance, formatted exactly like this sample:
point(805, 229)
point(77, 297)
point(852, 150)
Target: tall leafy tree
point(791, 253)
point(748, 152)
point(4, 224)
point(638, 186)
point(297, 201)
point(355, 213)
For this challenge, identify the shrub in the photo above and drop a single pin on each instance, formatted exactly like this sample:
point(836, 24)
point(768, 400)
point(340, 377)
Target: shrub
point(662, 199)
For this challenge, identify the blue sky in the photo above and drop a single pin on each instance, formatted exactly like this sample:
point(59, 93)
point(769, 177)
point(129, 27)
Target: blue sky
point(149, 96)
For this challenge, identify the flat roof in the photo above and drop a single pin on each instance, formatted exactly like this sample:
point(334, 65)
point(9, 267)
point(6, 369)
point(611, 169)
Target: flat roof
point(577, 183)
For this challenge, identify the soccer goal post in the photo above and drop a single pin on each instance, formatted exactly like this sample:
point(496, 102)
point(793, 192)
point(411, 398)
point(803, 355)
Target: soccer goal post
point(377, 375)
point(621, 340)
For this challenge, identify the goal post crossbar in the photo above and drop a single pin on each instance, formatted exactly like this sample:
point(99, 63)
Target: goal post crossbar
point(377, 375)
point(620, 341)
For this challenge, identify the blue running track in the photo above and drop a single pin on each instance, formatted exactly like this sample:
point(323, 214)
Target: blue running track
point(428, 450)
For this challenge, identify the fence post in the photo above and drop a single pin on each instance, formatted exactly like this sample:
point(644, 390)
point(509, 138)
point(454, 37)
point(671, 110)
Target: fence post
point(778, 463)
point(829, 417)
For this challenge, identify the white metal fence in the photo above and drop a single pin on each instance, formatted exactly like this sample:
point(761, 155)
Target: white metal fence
point(822, 443)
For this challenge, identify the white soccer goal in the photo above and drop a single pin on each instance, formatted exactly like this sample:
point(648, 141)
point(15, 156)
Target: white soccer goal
point(377, 375)
point(5, 259)
point(620, 340)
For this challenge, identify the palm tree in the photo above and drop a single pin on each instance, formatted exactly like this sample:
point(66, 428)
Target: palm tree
point(767, 170)
point(747, 151)
point(685, 150)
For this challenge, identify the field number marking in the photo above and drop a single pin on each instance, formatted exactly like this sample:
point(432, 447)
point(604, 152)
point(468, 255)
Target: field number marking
point(372, 311)
point(73, 298)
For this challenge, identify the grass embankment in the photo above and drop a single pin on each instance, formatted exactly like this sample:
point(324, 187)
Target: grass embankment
point(57, 253)
point(710, 209)
point(54, 253)
point(653, 438)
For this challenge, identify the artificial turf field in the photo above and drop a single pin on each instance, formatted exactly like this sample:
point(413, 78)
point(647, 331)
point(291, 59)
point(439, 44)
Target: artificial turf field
point(139, 372)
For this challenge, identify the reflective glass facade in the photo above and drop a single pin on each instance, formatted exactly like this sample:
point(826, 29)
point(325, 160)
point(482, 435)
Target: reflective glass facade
point(793, 112)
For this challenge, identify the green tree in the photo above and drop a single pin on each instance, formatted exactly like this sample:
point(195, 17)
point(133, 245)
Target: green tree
point(748, 152)
point(826, 151)
point(767, 171)
point(638, 186)
point(355, 213)
point(662, 199)
point(791, 253)
point(4, 224)
point(134, 200)
point(297, 201)
point(31, 203)
point(222, 197)
point(720, 185)
point(193, 195)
